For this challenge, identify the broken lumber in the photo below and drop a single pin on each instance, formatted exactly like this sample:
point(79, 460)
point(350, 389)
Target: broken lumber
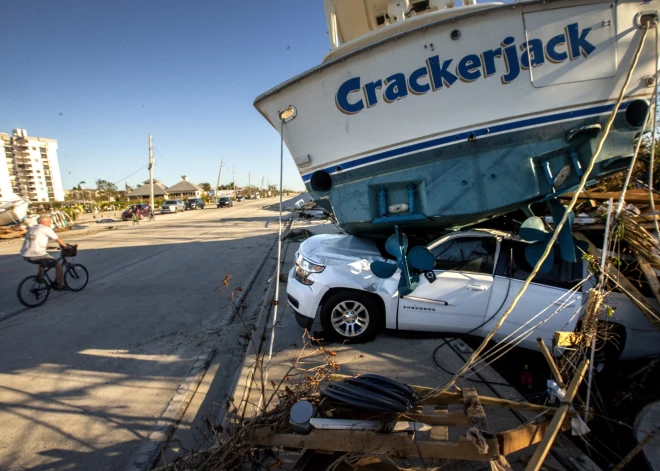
point(631, 292)
point(553, 429)
point(551, 363)
point(650, 276)
point(370, 443)
point(606, 195)
point(524, 436)
point(567, 339)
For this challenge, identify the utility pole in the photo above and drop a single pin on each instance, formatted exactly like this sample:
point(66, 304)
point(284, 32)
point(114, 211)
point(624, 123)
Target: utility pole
point(217, 186)
point(233, 179)
point(151, 174)
point(249, 186)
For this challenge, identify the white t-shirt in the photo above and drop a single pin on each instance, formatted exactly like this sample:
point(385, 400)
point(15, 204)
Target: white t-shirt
point(36, 241)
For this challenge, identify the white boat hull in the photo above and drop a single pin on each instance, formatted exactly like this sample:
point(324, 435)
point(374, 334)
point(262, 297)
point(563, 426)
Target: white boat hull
point(13, 212)
point(480, 124)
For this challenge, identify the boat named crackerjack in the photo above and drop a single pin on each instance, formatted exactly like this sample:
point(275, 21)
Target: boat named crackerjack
point(426, 115)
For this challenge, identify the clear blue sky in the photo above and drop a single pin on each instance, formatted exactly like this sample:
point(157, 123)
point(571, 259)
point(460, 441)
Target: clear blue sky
point(99, 75)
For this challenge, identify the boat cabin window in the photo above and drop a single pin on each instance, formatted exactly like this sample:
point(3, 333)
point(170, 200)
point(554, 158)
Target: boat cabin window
point(562, 275)
point(348, 19)
point(466, 254)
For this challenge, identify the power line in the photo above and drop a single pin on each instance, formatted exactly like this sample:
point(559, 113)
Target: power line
point(167, 161)
point(141, 168)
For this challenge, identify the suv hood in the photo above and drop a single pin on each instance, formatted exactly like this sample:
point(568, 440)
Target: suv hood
point(333, 249)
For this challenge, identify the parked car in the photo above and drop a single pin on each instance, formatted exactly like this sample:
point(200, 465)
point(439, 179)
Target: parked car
point(240, 199)
point(476, 276)
point(195, 203)
point(172, 206)
point(143, 210)
point(225, 201)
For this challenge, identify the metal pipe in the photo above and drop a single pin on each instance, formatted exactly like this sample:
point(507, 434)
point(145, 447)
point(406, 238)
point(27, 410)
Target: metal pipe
point(151, 173)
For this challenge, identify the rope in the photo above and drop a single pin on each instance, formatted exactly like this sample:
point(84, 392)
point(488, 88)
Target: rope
point(503, 347)
point(474, 436)
point(622, 198)
point(558, 226)
point(655, 115)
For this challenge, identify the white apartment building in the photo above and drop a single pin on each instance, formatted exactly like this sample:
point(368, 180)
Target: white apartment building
point(30, 168)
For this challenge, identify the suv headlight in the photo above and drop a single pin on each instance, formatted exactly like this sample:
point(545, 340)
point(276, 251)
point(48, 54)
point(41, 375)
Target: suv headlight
point(304, 268)
point(308, 265)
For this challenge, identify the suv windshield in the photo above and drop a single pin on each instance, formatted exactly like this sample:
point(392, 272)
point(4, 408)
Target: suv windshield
point(170, 202)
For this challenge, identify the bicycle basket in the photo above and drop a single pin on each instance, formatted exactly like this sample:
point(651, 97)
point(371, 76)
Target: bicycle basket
point(70, 251)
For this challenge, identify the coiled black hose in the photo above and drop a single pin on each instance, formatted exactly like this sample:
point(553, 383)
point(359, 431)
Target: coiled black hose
point(372, 392)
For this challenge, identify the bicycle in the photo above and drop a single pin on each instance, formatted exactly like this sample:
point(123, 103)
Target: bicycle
point(33, 291)
point(152, 216)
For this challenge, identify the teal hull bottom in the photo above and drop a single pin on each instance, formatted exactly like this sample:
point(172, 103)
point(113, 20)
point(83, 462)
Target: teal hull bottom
point(477, 178)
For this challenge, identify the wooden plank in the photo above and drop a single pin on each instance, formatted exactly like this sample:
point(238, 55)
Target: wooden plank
point(359, 424)
point(439, 418)
point(473, 409)
point(393, 445)
point(457, 398)
point(440, 433)
point(526, 435)
point(553, 366)
point(551, 362)
point(568, 339)
point(606, 195)
point(650, 276)
point(453, 418)
point(631, 292)
point(553, 429)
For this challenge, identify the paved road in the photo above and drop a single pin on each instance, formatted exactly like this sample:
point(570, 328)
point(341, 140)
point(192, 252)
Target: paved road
point(83, 377)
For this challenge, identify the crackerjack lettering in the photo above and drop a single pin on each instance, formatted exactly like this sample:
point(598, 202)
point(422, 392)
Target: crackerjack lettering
point(438, 73)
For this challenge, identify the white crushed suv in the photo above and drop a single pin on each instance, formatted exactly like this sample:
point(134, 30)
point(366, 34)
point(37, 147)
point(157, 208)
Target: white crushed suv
point(476, 276)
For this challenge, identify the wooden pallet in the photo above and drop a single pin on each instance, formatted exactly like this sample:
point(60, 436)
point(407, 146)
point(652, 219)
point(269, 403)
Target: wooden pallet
point(432, 444)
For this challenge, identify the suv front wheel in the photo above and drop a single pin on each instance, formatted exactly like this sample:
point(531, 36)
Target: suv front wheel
point(351, 316)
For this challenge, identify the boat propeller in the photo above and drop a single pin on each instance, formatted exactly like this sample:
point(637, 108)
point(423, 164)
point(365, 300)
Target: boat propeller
point(411, 262)
point(533, 230)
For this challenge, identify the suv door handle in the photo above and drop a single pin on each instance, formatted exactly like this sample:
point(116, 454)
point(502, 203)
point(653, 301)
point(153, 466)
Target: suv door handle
point(476, 288)
point(564, 303)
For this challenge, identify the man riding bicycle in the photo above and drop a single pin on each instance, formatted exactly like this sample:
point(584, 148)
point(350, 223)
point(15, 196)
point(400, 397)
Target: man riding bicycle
point(35, 244)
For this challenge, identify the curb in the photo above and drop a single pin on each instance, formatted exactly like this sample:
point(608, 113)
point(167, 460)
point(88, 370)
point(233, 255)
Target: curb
point(245, 373)
point(164, 428)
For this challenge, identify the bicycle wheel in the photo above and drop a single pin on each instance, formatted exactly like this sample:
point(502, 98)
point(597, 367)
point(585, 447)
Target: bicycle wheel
point(76, 277)
point(33, 291)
